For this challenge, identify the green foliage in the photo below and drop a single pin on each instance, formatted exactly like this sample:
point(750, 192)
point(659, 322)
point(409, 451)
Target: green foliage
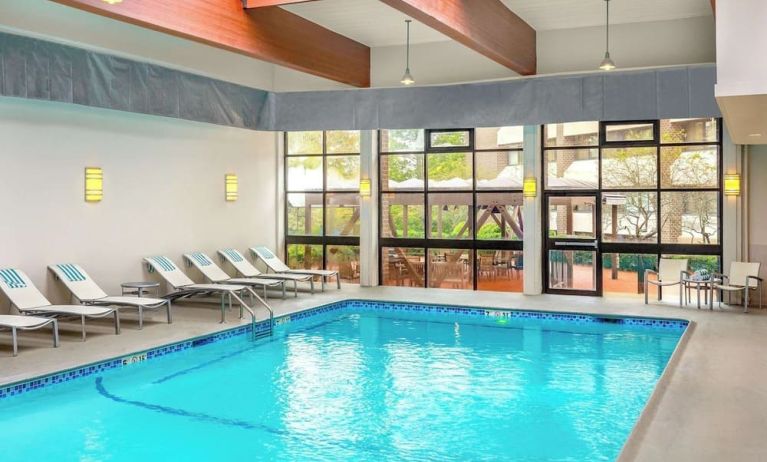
point(447, 166)
point(343, 141)
point(299, 258)
point(450, 139)
point(305, 142)
point(404, 167)
point(404, 140)
point(415, 220)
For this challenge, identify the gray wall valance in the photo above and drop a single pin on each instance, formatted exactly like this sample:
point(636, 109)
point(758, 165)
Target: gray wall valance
point(39, 69)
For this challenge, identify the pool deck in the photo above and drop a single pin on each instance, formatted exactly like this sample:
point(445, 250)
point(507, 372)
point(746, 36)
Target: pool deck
point(710, 405)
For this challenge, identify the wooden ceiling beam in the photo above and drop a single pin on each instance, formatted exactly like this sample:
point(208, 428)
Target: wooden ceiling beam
point(486, 26)
point(269, 34)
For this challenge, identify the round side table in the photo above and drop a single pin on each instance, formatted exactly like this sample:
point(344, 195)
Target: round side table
point(138, 288)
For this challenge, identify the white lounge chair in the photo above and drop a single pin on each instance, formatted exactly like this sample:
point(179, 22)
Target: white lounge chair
point(216, 275)
point(278, 266)
point(185, 287)
point(743, 278)
point(246, 269)
point(670, 272)
point(87, 292)
point(28, 300)
point(17, 323)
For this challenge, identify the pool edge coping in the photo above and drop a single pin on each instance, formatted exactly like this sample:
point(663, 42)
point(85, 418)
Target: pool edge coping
point(46, 380)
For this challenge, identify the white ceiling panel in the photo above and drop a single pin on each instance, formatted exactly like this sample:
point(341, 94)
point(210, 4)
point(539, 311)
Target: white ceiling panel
point(566, 14)
point(376, 24)
point(367, 21)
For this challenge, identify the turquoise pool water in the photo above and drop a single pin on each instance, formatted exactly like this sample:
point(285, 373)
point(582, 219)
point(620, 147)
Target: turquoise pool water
point(359, 385)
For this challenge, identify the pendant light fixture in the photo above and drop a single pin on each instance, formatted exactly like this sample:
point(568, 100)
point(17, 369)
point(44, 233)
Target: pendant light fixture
point(407, 79)
point(607, 63)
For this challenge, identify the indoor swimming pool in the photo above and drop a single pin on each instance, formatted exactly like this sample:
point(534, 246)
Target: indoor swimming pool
point(358, 381)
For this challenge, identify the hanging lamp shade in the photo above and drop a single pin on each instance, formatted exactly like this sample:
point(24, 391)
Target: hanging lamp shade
point(407, 78)
point(607, 63)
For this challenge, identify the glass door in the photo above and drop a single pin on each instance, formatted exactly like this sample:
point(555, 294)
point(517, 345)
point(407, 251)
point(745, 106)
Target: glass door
point(571, 257)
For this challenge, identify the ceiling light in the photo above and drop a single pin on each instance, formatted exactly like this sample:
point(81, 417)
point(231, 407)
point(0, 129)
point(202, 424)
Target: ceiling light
point(755, 135)
point(112, 2)
point(407, 79)
point(607, 63)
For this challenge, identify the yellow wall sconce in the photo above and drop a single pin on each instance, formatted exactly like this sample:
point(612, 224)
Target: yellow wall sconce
point(94, 184)
point(365, 187)
point(232, 187)
point(732, 184)
point(530, 187)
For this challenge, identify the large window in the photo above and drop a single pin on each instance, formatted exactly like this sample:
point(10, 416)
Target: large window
point(322, 212)
point(451, 208)
point(658, 188)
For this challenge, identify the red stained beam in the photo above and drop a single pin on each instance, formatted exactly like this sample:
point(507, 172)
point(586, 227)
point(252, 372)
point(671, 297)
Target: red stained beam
point(263, 3)
point(269, 34)
point(713, 6)
point(486, 26)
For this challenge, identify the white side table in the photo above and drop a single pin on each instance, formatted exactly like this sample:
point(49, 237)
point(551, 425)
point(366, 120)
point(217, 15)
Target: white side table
point(139, 288)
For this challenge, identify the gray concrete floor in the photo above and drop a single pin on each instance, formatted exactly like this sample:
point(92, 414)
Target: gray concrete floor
point(710, 405)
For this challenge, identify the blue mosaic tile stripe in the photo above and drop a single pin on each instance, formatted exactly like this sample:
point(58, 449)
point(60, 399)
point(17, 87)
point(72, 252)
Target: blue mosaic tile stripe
point(350, 305)
point(675, 324)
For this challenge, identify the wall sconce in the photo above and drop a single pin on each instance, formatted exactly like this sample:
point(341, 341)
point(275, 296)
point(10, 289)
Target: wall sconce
point(94, 184)
point(530, 187)
point(231, 187)
point(365, 187)
point(732, 184)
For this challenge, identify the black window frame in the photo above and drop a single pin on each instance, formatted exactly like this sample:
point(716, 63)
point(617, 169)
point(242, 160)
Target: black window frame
point(324, 239)
point(659, 248)
point(426, 243)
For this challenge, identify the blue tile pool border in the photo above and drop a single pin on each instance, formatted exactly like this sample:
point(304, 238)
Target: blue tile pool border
point(24, 386)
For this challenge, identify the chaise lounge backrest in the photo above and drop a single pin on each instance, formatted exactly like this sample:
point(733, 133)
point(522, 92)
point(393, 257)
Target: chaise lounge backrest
point(77, 281)
point(206, 266)
point(243, 266)
point(271, 260)
point(20, 290)
point(169, 271)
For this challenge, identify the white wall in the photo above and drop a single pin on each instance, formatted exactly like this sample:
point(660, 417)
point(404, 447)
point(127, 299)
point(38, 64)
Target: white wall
point(52, 21)
point(757, 207)
point(741, 40)
point(661, 43)
point(433, 63)
point(163, 193)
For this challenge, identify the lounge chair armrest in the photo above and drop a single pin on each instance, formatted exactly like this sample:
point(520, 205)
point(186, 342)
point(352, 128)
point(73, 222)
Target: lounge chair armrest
point(757, 278)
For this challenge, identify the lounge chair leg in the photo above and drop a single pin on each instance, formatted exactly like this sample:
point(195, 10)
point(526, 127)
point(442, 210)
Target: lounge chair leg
point(117, 322)
point(140, 317)
point(295, 288)
point(222, 308)
point(283, 290)
point(338, 280)
point(82, 324)
point(324, 280)
point(745, 302)
point(265, 297)
point(646, 287)
point(311, 283)
point(170, 318)
point(55, 334)
point(15, 344)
